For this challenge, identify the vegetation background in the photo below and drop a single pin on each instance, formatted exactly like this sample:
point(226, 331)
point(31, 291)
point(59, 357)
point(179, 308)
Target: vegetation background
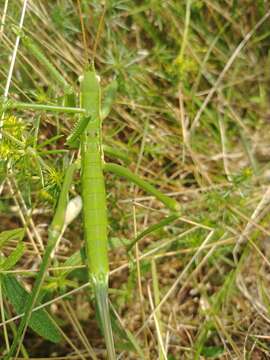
point(192, 117)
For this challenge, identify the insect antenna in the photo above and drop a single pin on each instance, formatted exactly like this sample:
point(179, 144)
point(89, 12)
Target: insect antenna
point(84, 37)
point(99, 31)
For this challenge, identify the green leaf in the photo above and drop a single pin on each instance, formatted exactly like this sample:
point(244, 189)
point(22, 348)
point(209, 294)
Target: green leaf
point(134, 343)
point(15, 234)
point(40, 321)
point(116, 242)
point(212, 351)
point(14, 257)
point(125, 339)
point(74, 260)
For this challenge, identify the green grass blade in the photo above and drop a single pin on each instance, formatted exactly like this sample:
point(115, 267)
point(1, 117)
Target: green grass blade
point(15, 234)
point(161, 349)
point(152, 228)
point(13, 258)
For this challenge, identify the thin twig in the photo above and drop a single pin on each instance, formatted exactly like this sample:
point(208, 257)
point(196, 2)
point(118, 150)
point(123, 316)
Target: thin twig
point(3, 19)
point(12, 63)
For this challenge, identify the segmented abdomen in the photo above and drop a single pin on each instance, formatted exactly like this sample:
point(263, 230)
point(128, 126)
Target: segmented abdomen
point(94, 199)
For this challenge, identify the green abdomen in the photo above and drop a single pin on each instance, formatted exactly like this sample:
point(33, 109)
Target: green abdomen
point(94, 200)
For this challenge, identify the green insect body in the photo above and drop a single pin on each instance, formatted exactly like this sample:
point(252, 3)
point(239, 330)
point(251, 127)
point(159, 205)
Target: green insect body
point(94, 203)
point(81, 124)
point(93, 187)
point(88, 131)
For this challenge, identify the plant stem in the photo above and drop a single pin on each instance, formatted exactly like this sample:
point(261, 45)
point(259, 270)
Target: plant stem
point(54, 234)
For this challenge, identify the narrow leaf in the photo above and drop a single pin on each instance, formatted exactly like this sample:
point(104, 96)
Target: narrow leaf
point(15, 234)
point(14, 257)
point(154, 227)
point(40, 321)
point(74, 260)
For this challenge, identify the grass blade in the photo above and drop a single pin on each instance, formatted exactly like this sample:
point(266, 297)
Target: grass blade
point(152, 228)
point(15, 234)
